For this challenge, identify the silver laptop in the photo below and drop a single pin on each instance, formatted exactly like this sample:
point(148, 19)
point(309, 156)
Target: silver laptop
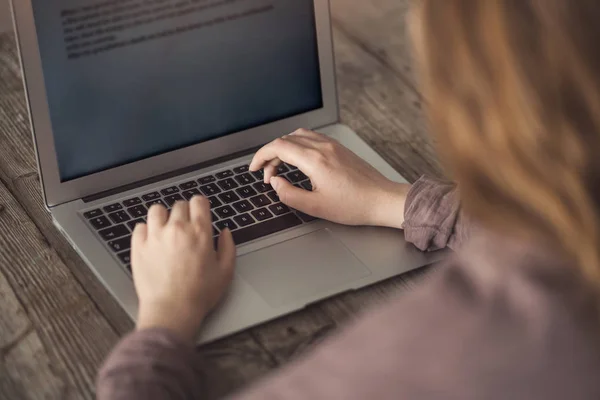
point(134, 103)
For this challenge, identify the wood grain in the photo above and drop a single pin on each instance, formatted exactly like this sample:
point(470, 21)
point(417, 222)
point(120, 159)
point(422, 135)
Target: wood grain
point(67, 332)
point(379, 27)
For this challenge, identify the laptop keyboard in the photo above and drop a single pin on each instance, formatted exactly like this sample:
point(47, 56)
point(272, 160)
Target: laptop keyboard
point(239, 200)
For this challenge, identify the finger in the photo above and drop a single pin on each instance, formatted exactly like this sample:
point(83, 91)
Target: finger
point(270, 169)
point(226, 252)
point(285, 150)
point(180, 212)
point(294, 197)
point(157, 217)
point(200, 214)
point(139, 235)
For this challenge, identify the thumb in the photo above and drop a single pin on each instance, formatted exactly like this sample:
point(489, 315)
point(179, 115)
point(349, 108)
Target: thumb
point(292, 196)
point(226, 252)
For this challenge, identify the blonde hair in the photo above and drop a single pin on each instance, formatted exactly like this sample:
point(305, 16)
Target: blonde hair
point(514, 100)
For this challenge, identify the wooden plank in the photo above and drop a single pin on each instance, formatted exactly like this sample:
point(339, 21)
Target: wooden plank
point(74, 333)
point(13, 318)
point(27, 190)
point(16, 145)
point(379, 28)
point(32, 371)
point(347, 306)
point(18, 348)
point(383, 110)
point(289, 336)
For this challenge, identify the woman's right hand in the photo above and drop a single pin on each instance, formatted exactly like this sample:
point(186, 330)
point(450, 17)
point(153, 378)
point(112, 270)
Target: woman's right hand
point(346, 189)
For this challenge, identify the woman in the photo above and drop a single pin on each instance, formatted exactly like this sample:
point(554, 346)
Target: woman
point(514, 91)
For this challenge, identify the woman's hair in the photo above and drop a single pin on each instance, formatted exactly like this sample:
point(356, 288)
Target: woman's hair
point(513, 89)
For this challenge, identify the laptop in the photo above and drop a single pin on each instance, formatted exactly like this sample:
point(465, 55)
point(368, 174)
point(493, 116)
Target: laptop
point(134, 103)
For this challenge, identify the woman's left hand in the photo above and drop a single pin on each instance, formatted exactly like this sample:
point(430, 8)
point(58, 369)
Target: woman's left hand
point(178, 275)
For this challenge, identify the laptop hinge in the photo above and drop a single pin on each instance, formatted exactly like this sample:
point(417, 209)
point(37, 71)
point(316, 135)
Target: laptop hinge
point(168, 175)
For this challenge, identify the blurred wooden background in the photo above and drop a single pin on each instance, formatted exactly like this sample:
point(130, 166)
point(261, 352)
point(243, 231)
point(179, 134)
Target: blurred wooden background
point(5, 21)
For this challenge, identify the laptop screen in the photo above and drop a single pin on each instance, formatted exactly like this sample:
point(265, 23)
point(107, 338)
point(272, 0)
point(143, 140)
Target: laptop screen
point(130, 79)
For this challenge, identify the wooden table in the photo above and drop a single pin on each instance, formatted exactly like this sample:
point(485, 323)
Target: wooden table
point(57, 322)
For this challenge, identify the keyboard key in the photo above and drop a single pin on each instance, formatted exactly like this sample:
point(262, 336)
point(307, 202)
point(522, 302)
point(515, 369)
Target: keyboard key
point(170, 190)
point(226, 223)
point(291, 167)
point(243, 206)
point(307, 185)
point(159, 201)
point(214, 216)
point(121, 244)
point(243, 220)
point(188, 194)
point(128, 268)
point(228, 197)
point(279, 209)
point(225, 212)
point(132, 202)
point(113, 232)
point(172, 199)
point(151, 196)
point(241, 169)
point(259, 175)
point(227, 184)
point(282, 169)
point(113, 207)
point(138, 211)
point(261, 214)
point(119, 216)
point(273, 196)
point(244, 179)
point(210, 190)
point(188, 185)
point(224, 174)
point(214, 202)
point(269, 227)
point(125, 257)
point(100, 222)
point(305, 217)
point(260, 201)
point(132, 224)
point(262, 187)
point(93, 213)
point(296, 176)
point(205, 180)
point(246, 192)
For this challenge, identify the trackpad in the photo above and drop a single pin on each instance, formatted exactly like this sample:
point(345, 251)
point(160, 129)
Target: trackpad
point(304, 268)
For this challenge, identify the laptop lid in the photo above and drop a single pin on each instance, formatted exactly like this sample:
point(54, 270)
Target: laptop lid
point(124, 90)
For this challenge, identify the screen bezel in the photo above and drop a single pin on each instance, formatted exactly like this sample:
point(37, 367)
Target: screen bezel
point(58, 192)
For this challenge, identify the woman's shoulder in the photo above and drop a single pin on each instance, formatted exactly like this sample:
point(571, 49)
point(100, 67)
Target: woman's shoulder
point(499, 319)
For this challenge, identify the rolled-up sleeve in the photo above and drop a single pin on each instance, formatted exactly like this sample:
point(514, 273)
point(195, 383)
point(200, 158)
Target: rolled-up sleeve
point(433, 219)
